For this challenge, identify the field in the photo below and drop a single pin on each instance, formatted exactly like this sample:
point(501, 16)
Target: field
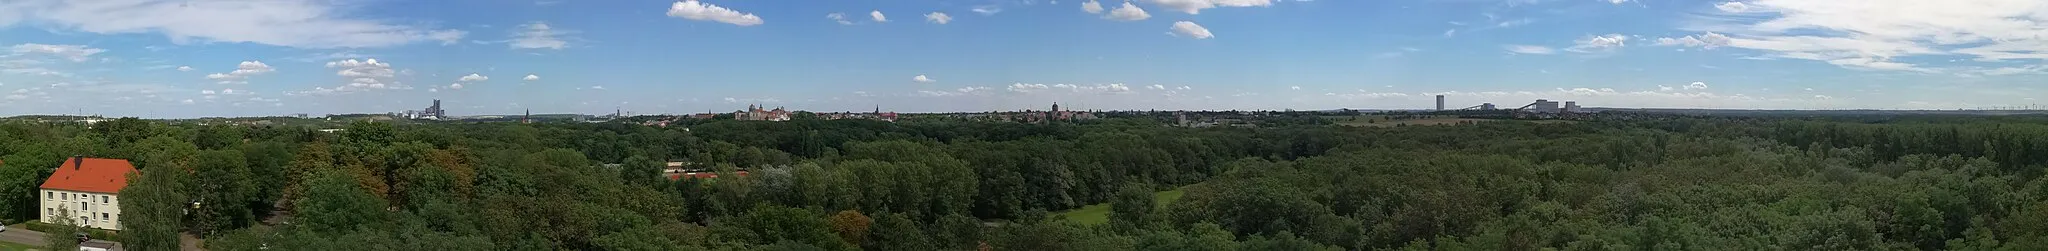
point(1099, 213)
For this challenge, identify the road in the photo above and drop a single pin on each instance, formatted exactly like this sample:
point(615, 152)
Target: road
point(17, 235)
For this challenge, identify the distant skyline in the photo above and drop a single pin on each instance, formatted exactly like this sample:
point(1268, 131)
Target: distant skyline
point(229, 58)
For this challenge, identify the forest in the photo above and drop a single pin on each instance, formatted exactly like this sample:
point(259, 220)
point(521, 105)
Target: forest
point(1292, 183)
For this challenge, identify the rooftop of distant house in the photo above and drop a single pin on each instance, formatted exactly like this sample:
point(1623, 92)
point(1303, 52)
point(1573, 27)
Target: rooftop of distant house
point(94, 175)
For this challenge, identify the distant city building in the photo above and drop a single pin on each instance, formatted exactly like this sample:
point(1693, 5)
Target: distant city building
point(755, 113)
point(1439, 102)
point(433, 112)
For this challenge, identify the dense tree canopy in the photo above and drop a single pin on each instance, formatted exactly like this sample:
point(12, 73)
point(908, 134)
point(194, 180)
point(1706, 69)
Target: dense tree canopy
point(1293, 183)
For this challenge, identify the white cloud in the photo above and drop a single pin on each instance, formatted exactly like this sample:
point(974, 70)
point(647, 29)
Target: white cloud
point(693, 10)
point(184, 68)
point(455, 86)
point(878, 17)
point(938, 18)
point(251, 68)
point(241, 73)
point(987, 10)
point(1872, 34)
point(597, 87)
point(1191, 30)
point(1617, 1)
point(1091, 7)
point(531, 77)
point(838, 17)
point(1156, 87)
point(1516, 22)
point(1196, 6)
point(1601, 43)
point(922, 79)
point(1696, 86)
point(362, 75)
point(433, 89)
point(187, 101)
point(473, 77)
point(1732, 7)
point(1297, 88)
point(1023, 87)
point(1529, 49)
point(207, 92)
point(290, 23)
point(1708, 40)
point(539, 35)
point(1127, 12)
point(76, 53)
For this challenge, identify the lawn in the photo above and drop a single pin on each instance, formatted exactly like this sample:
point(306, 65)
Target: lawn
point(1099, 213)
point(10, 246)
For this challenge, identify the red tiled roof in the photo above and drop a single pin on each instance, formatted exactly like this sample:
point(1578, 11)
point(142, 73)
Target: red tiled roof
point(94, 175)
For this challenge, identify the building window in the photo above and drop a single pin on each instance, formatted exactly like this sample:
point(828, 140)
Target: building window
point(50, 211)
point(48, 195)
point(103, 217)
point(103, 199)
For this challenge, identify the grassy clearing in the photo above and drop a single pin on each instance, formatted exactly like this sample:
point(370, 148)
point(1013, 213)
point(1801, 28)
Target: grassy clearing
point(10, 246)
point(1099, 213)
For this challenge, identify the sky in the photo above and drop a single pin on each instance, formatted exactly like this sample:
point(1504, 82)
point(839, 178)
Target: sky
point(227, 58)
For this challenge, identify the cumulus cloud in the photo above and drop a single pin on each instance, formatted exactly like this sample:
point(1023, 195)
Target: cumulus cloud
point(922, 79)
point(1191, 30)
point(938, 18)
point(531, 77)
point(1127, 12)
point(184, 68)
point(1600, 43)
point(1708, 40)
point(455, 86)
point(1023, 87)
point(694, 10)
point(1196, 6)
point(289, 23)
point(1092, 7)
point(241, 73)
point(473, 77)
point(361, 75)
point(1156, 87)
point(76, 53)
point(539, 35)
point(1297, 88)
point(1529, 49)
point(878, 17)
point(838, 17)
point(1696, 86)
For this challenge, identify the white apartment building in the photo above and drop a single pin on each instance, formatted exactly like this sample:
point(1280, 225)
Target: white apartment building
point(89, 189)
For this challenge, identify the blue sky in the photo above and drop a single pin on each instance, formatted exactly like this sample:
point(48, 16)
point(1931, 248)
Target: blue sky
point(190, 58)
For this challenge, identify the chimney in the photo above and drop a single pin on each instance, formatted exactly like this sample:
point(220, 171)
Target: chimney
point(77, 162)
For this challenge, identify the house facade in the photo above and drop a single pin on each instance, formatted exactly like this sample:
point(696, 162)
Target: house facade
point(89, 190)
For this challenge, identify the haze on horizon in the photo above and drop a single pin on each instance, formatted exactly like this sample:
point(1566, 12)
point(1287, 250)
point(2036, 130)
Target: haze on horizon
point(194, 58)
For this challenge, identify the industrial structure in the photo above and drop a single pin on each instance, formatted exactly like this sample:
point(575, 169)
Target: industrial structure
point(1541, 106)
